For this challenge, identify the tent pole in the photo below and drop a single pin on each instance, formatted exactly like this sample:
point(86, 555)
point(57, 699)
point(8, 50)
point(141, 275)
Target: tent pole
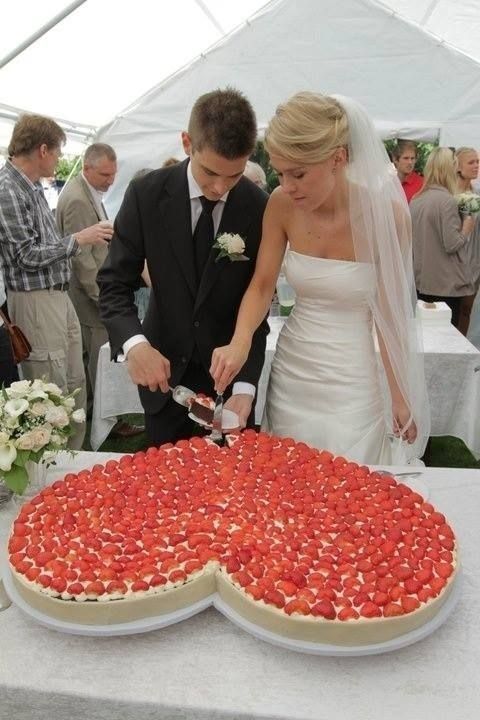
point(38, 34)
point(210, 16)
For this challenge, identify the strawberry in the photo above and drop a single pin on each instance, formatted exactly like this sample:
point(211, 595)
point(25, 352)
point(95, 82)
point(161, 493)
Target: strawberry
point(369, 610)
point(392, 610)
point(274, 597)
point(412, 585)
point(409, 604)
point(298, 578)
point(243, 578)
point(96, 588)
point(347, 613)
point(325, 609)
point(444, 570)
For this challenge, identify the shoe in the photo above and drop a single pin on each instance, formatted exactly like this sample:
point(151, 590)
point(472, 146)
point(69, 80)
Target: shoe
point(125, 430)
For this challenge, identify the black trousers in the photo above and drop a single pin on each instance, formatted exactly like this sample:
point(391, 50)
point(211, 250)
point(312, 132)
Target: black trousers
point(8, 369)
point(172, 422)
point(453, 303)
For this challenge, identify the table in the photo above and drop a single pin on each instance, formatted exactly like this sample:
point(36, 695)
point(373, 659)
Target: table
point(450, 368)
point(207, 669)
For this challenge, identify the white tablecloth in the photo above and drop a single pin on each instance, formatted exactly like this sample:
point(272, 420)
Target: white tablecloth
point(207, 669)
point(450, 362)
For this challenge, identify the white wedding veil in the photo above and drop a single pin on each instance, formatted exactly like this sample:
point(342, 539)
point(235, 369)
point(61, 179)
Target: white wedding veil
point(381, 230)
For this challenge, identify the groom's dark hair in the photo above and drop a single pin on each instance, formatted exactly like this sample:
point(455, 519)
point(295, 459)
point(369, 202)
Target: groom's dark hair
point(224, 121)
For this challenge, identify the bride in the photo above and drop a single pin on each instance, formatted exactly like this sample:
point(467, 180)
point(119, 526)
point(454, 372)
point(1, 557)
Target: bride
point(342, 214)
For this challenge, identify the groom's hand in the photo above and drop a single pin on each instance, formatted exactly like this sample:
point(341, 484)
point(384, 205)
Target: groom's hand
point(148, 367)
point(241, 405)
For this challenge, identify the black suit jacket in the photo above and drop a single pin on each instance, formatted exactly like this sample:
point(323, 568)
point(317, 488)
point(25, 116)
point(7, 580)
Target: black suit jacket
point(154, 223)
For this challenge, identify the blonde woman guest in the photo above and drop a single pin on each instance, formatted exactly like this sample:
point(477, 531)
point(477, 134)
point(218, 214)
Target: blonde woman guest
point(467, 173)
point(440, 236)
point(345, 217)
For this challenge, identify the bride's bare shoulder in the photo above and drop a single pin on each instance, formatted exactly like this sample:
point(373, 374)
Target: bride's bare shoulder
point(280, 203)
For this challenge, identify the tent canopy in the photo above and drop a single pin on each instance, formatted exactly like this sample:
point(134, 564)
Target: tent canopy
point(102, 56)
point(414, 64)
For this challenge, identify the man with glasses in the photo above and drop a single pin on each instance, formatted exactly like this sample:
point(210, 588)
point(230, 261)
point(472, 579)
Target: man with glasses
point(36, 260)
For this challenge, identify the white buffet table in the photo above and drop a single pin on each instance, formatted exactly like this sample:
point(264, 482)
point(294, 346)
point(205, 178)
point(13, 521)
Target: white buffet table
point(450, 363)
point(207, 669)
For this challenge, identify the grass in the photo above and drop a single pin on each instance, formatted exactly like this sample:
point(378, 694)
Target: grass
point(444, 451)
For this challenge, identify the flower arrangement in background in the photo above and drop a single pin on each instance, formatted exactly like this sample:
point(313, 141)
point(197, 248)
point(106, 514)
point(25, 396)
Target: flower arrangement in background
point(468, 203)
point(36, 420)
point(230, 246)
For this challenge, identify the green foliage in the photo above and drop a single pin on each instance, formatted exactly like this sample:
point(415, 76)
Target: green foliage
point(68, 166)
point(260, 156)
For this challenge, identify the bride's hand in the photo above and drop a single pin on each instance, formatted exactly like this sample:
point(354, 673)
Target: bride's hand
point(401, 418)
point(226, 363)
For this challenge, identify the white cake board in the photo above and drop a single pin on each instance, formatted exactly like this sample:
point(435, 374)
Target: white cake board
point(161, 621)
point(129, 628)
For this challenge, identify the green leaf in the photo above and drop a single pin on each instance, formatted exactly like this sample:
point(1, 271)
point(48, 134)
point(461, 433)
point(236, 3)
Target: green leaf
point(36, 456)
point(16, 479)
point(23, 456)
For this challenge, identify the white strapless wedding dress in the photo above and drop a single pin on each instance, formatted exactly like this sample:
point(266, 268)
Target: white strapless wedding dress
point(325, 385)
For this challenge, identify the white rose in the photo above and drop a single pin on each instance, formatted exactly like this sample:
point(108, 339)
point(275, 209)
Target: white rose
point(69, 403)
point(57, 416)
point(4, 437)
point(235, 244)
point(26, 441)
point(52, 389)
point(57, 439)
point(18, 389)
point(15, 407)
point(8, 453)
point(79, 416)
point(41, 437)
point(39, 409)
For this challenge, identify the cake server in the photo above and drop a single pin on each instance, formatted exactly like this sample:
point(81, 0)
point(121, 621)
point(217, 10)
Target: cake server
point(182, 395)
point(216, 432)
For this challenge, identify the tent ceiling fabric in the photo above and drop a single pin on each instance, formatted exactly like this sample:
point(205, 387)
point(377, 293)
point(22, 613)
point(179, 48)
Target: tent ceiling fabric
point(105, 54)
point(412, 84)
point(115, 60)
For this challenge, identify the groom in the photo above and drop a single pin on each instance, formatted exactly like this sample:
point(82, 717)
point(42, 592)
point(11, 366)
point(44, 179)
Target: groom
point(170, 218)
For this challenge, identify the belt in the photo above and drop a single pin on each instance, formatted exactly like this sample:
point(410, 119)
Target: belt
point(60, 286)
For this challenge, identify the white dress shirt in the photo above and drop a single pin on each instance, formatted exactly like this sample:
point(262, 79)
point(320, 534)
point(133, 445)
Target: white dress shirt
point(195, 194)
point(97, 197)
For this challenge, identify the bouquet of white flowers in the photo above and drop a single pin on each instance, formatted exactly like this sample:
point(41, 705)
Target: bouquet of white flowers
point(468, 203)
point(35, 419)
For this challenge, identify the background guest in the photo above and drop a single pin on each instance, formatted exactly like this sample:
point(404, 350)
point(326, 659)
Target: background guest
point(467, 173)
point(8, 369)
point(255, 173)
point(440, 237)
point(36, 259)
point(81, 204)
point(404, 157)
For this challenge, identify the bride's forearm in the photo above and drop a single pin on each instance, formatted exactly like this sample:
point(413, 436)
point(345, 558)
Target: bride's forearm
point(254, 307)
point(395, 392)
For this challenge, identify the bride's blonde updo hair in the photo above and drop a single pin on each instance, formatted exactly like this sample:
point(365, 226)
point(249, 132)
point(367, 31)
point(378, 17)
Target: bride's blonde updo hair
point(307, 128)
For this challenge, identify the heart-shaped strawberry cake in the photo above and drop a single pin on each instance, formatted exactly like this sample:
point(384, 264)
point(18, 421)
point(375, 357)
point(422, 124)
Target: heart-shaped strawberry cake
point(297, 541)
